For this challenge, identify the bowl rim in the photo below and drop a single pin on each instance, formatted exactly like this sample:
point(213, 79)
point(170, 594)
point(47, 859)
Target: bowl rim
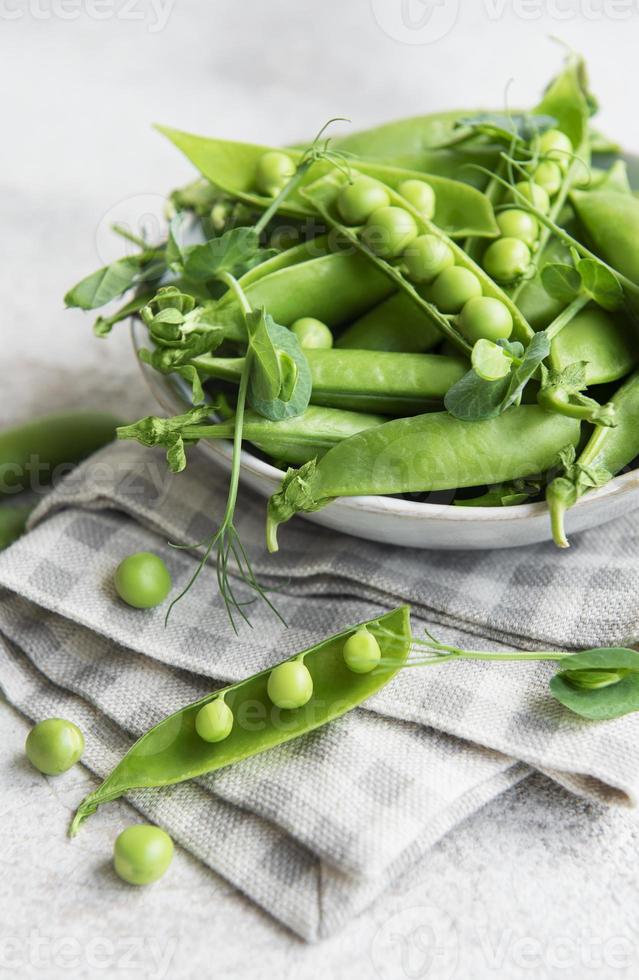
point(166, 393)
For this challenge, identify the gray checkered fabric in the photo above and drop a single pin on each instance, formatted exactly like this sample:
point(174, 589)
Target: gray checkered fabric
point(313, 830)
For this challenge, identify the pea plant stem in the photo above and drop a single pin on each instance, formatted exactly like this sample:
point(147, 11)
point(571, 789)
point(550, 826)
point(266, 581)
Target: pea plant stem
point(286, 191)
point(238, 292)
point(566, 316)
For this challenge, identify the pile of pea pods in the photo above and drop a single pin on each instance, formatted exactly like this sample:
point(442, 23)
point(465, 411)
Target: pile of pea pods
point(446, 303)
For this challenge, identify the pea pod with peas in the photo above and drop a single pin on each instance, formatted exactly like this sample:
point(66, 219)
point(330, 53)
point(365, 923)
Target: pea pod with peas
point(311, 689)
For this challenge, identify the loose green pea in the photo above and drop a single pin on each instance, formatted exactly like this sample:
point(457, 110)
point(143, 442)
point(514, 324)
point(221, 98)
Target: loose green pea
point(534, 194)
point(506, 259)
point(485, 318)
point(357, 201)
point(549, 176)
point(54, 745)
point(519, 224)
point(361, 652)
point(274, 169)
point(389, 231)
point(421, 195)
point(556, 146)
point(142, 580)
point(312, 334)
point(142, 854)
point(214, 721)
point(290, 685)
point(453, 288)
point(426, 257)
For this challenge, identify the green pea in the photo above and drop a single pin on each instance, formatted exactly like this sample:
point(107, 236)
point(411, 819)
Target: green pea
point(142, 854)
point(312, 334)
point(361, 652)
point(556, 146)
point(549, 176)
point(274, 170)
point(485, 318)
point(214, 721)
point(290, 685)
point(426, 257)
point(389, 231)
point(142, 580)
point(519, 224)
point(357, 201)
point(421, 195)
point(54, 745)
point(453, 288)
point(506, 259)
point(534, 194)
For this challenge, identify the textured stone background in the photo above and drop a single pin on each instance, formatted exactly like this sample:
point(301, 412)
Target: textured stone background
point(535, 885)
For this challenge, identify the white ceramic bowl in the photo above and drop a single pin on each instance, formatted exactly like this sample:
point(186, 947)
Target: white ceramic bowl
point(405, 522)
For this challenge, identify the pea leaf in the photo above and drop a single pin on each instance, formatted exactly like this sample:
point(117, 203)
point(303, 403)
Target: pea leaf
point(472, 398)
point(561, 281)
point(114, 280)
point(174, 246)
point(571, 687)
point(296, 383)
point(572, 378)
point(601, 284)
point(266, 374)
point(232, 252)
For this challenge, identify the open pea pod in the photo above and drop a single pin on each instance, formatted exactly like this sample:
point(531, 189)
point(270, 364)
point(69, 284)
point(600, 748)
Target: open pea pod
point(567, 102)
point(172, 751)
point(461, 210)
point(363, 380)
point(324, 196)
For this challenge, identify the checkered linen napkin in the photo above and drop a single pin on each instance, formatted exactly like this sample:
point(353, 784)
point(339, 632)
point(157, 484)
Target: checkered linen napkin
point(313, 830)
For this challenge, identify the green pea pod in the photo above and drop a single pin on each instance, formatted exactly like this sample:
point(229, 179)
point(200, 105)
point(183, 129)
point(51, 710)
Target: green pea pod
point(32, 454)
point(606, 342)
point(425, 453)
point(606, 453)
point(367, 381)
point(420, 142)
point(461, 210)
point(334, 288)
point(13, 521)
point(324, 195)
point(395, 324)
point(615, 179)
point(295, 440)
point(173, 752)
point(611, 222)
point(566, 100)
